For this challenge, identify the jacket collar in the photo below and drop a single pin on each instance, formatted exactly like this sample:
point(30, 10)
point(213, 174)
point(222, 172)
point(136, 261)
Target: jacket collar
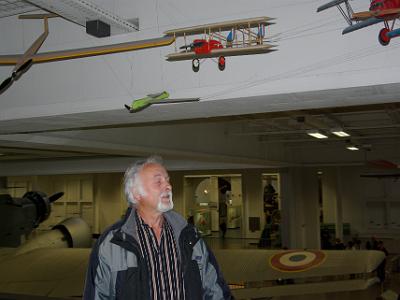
point(176, 221)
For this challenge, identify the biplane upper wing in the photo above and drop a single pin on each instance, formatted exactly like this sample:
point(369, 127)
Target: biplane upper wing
point(220, 26)
point(330, 4)
point(254, 49)
point(90, 51)
point(362, 24)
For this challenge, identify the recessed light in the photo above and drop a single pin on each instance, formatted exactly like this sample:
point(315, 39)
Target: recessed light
point(352, 148)
point(339, 132)
point(316, 134)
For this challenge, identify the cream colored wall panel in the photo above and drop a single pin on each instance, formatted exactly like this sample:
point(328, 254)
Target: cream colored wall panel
point(19, 185)
point(72, 210)
point(72, 192)
point(87, 214)
point(108, 202)
point(86, 190)
point(59, 186)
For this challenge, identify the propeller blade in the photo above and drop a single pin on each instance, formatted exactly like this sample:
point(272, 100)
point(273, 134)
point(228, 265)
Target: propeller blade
point(5, 84)
point(56, 196)
point(127, 107)
point(24, 67)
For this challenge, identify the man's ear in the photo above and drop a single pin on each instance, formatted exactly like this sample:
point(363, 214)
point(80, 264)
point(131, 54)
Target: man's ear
point(136, 195)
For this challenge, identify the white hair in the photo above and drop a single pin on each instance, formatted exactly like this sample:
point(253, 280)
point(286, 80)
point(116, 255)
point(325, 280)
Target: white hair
point(132, 182)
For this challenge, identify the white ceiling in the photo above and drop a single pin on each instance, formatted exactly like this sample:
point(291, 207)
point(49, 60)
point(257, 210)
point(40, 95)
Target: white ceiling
point(71, 112)
point(225, 139)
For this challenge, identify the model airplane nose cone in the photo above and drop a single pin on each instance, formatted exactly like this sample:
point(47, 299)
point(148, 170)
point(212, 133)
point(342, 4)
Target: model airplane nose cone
point(24, 67)
point(5, 84)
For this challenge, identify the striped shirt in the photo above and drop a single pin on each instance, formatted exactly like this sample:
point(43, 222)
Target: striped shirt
point(164, 268)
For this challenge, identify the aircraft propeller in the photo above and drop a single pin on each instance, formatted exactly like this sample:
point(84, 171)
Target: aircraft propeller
point(56, 196)
point(5, 84)
point(15, 75)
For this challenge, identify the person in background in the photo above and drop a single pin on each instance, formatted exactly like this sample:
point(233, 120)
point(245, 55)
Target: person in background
point(153, 253)
point(351, 246)
point(223, 227)
point(372, 244)
point(339, 245)
point(381, 270)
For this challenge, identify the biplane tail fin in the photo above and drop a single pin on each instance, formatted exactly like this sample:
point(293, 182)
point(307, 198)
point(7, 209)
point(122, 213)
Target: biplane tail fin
point(330, 4)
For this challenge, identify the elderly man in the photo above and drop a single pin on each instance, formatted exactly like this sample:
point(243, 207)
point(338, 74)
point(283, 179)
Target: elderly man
point(153, 253)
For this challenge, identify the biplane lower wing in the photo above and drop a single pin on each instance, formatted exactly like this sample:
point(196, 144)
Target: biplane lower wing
point(387, 14)
point(91, 51)
point(362, 24)
point(248, 50)
point(330, 4)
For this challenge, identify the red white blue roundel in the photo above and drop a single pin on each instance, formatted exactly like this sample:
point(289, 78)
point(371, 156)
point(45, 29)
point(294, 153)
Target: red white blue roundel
point(296, 260)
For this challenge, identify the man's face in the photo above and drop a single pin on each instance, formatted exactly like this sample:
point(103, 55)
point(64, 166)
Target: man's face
point(157, 191)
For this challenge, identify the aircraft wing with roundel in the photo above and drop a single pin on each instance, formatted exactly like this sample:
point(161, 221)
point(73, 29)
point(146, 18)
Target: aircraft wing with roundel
point(59, 273)
point(90, 51)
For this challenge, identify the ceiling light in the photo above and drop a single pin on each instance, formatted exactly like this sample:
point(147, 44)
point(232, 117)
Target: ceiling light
point(352, 148)
point(316, 134)
point(339, 132)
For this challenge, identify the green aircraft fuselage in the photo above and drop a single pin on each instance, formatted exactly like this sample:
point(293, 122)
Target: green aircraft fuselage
point(146, 101)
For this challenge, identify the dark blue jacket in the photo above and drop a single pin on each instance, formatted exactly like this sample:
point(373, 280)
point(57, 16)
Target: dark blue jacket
point(117, 270)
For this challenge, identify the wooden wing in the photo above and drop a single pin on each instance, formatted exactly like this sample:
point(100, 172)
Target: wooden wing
point(387, 14)
point(246, 50)
point(220, 26)
point(91, 51)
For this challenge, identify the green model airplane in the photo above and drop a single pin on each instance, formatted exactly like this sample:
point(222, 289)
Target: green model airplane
point(159, 98)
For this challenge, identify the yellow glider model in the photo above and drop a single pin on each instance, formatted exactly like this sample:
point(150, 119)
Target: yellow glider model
point(24, 61)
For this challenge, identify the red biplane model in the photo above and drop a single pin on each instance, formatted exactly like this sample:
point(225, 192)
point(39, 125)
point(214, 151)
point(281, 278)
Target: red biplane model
point(231, 38)
point(386, 11)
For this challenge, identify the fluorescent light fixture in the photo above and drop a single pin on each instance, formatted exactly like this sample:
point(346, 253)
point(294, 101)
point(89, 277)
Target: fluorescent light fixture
point(352, 148)
point(339, 132)
point(316, 134)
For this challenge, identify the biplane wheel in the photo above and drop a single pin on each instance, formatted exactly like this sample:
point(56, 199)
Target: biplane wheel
point(195, 65)
point(221, 63)
point(383, 37)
